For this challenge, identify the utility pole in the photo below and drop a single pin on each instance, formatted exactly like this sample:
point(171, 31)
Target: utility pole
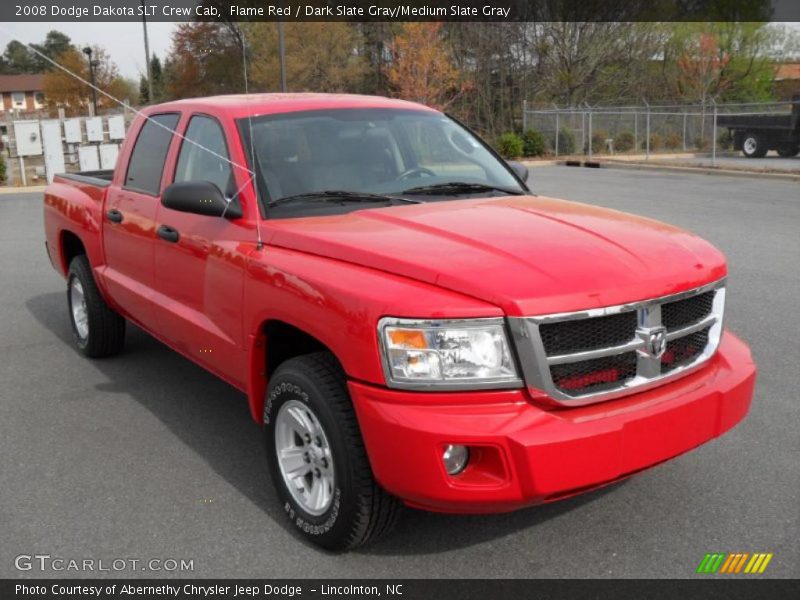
point(282, 55)
point(92, 64)
point(147, 56)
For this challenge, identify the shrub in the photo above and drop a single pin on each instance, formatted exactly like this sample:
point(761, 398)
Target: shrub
point(725, 140)
point(624, 142)
point(599, 137)
point(566, 142)
point(701, 143)
point(673, 141)
point(655, 142)
point(2, 169)
point(510, 145)
point(533, 143)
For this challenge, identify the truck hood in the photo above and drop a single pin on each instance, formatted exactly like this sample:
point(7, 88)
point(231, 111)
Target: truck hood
point(528, 255)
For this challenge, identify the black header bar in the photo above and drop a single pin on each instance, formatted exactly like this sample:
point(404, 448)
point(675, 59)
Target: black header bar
point(744, 588)
point(398, 10)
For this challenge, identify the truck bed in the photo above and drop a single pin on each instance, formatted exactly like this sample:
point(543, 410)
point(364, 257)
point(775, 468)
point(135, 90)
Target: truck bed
point(775, 122)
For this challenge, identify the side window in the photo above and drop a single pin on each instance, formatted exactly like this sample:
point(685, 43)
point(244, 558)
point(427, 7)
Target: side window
point(147, 159)
point(203, 155)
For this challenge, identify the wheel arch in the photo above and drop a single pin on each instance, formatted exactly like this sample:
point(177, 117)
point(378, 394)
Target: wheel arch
point(70, 245)
point(272, 343)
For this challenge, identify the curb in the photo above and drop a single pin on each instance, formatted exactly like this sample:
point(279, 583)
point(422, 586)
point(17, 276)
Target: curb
point(606, 164)
point(532, 164)
point(32, 189)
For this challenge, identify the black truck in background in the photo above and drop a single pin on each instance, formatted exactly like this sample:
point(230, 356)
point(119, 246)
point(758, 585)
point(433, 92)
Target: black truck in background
point(755, 135)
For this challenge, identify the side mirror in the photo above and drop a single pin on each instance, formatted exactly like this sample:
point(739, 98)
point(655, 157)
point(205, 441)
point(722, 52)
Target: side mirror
point(520, 169)
point(200, 198)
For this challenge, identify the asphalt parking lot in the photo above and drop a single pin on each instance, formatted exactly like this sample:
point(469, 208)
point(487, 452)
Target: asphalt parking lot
point(148, 456)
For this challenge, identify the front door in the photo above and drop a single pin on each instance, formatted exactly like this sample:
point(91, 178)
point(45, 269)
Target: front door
point(199, 264)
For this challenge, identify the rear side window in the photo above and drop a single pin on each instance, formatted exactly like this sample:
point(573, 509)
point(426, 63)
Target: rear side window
point(147, 159)
point(204, 155)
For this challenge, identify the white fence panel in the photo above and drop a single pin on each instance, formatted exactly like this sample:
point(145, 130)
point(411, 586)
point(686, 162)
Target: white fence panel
point(116, 127)
point(28, 138)
point(88, 159)
point(94, 129)
point(53, 148)
point(72, 131)
point(108, 155)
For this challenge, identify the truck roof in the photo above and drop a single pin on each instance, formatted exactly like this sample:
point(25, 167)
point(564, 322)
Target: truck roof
point(242, 105)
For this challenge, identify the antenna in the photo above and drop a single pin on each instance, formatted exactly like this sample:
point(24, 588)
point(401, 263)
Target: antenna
point(255, 166)
point(126, 106)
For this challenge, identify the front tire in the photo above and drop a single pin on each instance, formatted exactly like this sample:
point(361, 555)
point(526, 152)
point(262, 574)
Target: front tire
point(754, 145)
point(317, 458)
point(98, 330)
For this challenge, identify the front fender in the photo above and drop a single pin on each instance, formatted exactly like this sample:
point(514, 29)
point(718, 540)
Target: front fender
point(339, 304)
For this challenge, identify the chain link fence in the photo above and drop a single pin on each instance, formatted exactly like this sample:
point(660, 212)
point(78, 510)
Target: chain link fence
point(639, 129)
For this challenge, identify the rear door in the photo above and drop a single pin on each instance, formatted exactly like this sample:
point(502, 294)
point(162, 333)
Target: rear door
point(199, 274)
point(129, 221)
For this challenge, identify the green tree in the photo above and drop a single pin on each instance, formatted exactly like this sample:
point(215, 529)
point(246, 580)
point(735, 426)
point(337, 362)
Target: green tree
point(17, 58)
point(55, 44)
point(729, 62)
point(157, 73)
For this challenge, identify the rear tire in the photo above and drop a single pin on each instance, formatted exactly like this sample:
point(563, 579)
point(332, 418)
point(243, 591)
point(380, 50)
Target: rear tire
point(788, 150)
point(322, 447)
point(98, 330)
point(754, 145)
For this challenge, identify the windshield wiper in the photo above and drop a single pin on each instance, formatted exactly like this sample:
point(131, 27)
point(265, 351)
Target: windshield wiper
point(340, 196)
point(459, 187)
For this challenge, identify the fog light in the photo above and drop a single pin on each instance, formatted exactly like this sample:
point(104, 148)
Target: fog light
point(455, 458)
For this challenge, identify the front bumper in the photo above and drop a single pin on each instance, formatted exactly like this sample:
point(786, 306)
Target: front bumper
point(524, 454)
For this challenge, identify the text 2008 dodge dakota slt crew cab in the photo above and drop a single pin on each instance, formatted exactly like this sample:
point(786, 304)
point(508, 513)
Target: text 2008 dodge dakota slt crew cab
point(409, 323)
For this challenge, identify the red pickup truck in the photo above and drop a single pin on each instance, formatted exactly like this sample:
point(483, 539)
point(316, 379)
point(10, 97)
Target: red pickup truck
point(410, 324)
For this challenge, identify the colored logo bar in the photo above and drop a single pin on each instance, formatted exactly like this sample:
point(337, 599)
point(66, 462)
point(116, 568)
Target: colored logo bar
point(735, 562)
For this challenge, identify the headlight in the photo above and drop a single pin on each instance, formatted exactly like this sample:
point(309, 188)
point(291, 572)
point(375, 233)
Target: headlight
point(469, 353)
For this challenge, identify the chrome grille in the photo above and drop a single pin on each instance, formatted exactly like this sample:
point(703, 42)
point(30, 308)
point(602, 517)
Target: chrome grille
point(598, 354)
point(587, 334)
point(684, 350)
point(681, 313)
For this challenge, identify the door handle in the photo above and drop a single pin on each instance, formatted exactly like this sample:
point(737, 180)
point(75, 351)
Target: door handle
point(114, 216)
point(165, 232)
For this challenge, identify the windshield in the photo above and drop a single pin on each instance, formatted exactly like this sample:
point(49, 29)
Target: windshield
point(372, 151)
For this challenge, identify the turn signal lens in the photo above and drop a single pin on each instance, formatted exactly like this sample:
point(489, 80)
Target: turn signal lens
point(407, 338)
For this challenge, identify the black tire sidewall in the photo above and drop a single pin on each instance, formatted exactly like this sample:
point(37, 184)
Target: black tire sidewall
point(327, 529)
point(75, 272)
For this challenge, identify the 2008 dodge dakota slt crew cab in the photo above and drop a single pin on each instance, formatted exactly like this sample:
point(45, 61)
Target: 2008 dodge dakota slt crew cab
point(409, 323)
